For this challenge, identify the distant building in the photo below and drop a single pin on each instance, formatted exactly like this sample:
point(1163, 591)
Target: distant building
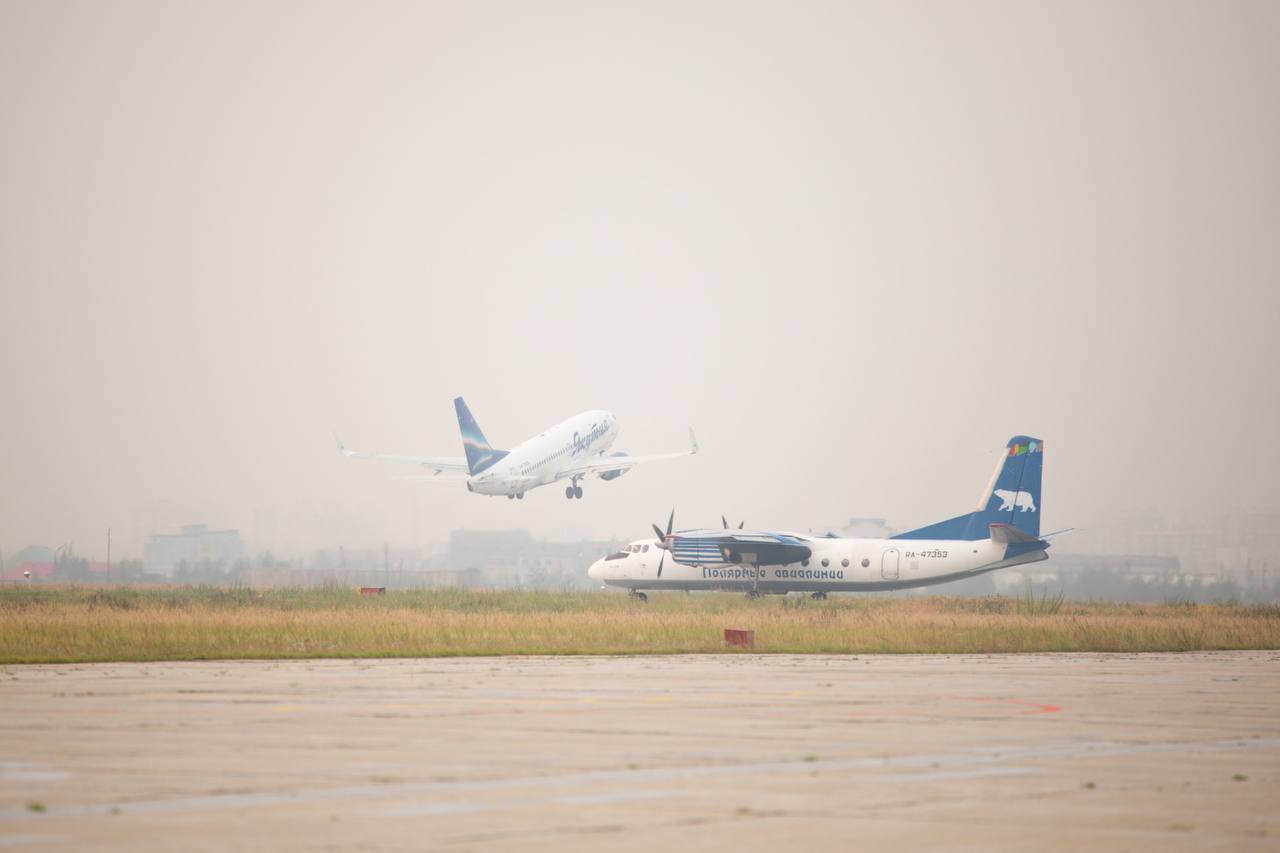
point(196, 545)
point(503, 558)
point(867, 528)
point(1243, 548)
point(30, 570)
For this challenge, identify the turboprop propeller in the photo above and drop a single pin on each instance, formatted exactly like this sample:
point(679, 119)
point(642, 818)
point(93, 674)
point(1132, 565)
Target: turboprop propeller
point(664, 539)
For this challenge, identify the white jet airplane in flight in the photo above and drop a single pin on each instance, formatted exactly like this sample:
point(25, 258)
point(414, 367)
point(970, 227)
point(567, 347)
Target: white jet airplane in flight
point(1003, 531)
point(570, 450)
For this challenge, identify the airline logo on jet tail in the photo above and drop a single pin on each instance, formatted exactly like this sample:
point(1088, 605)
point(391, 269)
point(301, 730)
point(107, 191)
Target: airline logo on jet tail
point(1024, 449)
point(1010, 499)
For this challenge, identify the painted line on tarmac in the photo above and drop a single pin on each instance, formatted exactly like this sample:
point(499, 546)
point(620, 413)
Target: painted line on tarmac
point(972, 761)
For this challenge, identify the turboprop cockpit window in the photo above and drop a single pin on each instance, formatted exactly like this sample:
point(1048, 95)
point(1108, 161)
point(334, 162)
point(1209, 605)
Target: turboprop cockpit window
point(621, 555)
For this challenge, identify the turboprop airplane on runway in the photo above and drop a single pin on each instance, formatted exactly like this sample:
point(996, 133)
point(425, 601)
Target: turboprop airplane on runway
point(1003, 531)
point(570, 450)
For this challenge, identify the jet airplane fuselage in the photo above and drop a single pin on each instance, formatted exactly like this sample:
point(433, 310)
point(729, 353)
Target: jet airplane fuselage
point(544, 458)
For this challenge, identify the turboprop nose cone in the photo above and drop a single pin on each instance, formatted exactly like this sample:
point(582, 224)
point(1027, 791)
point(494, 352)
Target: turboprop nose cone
point(594, 571)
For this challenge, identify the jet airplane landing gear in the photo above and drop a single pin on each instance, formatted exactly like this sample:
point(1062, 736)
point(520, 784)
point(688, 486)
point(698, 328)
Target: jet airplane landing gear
point(573, 490)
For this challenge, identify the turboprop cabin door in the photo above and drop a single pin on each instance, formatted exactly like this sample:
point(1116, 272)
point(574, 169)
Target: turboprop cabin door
point(889, 565)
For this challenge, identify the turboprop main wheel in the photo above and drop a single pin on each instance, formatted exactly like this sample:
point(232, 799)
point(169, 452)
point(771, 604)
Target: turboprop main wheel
point(568, 492)
point(520, 495)
point(640, 596)
point(821, 596)
point(577, 491)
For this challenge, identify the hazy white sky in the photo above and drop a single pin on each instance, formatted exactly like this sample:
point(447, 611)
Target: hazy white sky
point(856, 246)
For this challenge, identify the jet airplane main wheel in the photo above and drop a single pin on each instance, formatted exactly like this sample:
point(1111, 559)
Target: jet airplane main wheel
point(577, 491)
point(568, 492)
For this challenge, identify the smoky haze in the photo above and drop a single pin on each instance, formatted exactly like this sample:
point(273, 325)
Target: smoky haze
point(855, 246)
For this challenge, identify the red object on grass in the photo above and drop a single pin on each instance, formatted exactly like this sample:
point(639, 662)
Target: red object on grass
point(740, 637)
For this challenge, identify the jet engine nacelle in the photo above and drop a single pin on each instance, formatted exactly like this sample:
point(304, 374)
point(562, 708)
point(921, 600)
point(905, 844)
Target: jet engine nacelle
point(615, 474)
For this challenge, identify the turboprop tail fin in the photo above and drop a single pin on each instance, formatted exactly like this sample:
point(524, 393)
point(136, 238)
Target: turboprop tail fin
point(1011, 499)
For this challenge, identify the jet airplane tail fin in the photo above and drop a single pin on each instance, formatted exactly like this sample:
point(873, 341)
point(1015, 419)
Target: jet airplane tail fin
point(480, 454)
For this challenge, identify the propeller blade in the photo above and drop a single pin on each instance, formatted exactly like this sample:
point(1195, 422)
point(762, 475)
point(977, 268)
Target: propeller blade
point(740, 523)
point(724, 521)
point(661, 560)
point(658, 531)
point(671, 520)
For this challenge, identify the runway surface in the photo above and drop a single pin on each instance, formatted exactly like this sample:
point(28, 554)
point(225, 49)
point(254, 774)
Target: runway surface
point(736, 752)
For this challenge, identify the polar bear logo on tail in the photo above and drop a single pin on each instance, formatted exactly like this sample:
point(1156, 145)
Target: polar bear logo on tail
point(1022, 500)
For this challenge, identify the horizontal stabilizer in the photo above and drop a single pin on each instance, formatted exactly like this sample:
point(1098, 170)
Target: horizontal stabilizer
point(1007, 533)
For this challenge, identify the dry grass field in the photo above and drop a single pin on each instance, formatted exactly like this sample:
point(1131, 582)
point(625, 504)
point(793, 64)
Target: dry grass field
point(81, 624)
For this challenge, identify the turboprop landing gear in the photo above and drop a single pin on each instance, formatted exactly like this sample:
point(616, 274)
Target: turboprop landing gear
point(520, 495)
point(820, 596)
point(640, 596)
point(573, 490)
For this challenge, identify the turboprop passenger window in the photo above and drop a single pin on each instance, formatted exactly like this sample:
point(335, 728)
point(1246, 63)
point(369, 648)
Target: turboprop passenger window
point(865, 562)
point(804, 563)
point(646, 549)
point(845, 562)
point(825, 562)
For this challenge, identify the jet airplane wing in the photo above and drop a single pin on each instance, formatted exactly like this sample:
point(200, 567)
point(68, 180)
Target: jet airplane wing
point(439, 464)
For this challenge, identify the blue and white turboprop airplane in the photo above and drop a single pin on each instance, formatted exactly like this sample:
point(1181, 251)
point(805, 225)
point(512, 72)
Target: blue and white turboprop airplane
point(1003, 531)
point(571, 450)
